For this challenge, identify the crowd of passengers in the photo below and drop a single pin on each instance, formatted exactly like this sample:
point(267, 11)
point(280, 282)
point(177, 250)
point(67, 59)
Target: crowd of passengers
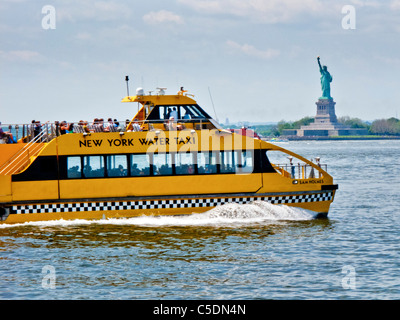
point(98, 125)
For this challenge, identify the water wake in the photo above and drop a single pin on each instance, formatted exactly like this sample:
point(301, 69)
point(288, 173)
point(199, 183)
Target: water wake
point(231, 214)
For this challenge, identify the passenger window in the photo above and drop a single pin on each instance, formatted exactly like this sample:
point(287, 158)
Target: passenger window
point(162, 164)
point(244, 161)
point(184, 163)
point(140, 165)
point(74, 169)
point(207, 162)
point(227, 162)
point(117, 166)
point(93, 167)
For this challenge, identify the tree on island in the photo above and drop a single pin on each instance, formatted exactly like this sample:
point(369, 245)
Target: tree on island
point(387, 127)
point(355, 123)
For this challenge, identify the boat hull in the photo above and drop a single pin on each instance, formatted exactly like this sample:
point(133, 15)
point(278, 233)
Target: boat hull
point(315, 201)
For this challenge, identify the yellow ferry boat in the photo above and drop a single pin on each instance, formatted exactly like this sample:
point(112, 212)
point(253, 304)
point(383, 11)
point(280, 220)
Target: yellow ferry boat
point(172, 158)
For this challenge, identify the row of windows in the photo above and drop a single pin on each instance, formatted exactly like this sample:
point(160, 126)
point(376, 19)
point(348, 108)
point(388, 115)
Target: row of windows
point(135, 165)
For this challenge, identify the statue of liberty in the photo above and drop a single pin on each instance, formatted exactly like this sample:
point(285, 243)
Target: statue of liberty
point(326, 80)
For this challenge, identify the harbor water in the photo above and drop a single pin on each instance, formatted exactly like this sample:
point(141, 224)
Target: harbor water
point(254, 251)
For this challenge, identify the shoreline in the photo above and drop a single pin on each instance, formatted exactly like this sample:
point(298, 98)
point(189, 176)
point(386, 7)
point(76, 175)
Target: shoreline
point(294, 138)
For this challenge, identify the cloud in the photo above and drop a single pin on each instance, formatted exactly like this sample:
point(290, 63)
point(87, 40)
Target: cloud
point(271, 11)
point(252, 51)
point(92, 10)
point(162, 16)
point(83, 36)
point(21, 56)
point(367, 3)
point(395, 5)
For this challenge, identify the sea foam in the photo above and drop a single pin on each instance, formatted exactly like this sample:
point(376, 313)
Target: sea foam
point(231, 214)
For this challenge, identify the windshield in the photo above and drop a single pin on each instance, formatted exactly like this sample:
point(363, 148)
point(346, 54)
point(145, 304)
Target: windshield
point(185, 112)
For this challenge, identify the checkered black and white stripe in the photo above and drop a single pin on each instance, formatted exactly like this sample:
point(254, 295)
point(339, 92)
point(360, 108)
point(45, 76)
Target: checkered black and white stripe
point(165, 204)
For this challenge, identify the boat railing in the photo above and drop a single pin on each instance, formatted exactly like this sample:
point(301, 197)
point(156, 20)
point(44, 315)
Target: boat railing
point(23, 157)
point(29, 132)
point(48, 131)
point(300, 171)
point(179, 124)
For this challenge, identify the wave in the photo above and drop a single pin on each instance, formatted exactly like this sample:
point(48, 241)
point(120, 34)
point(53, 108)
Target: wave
point(231, 214)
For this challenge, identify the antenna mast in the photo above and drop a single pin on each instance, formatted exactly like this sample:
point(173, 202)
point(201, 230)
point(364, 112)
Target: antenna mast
point(127, 84)
point(212, 102)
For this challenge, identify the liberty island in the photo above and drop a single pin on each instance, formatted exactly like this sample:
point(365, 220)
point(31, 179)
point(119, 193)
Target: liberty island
point(325, 122)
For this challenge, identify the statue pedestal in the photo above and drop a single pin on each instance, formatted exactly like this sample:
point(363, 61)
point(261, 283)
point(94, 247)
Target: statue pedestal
point(326, 124)
point(325, 111)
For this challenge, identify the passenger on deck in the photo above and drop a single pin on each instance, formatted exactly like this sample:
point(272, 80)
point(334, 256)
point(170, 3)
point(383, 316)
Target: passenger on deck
point(36, 127)
point(86, 127)
point(63, 127)
point(136, 126)
point(6, 136)
point(82, 127)
point(116, 125)
point(109, 126)
point(97, 125)
point(79, 127)
point(172, 125)
point(101, 124)
point(127, 128)
point(57, 125)
point(70, 128)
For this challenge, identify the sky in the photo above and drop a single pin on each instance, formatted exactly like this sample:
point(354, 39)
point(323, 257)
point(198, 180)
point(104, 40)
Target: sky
point(245, 60)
